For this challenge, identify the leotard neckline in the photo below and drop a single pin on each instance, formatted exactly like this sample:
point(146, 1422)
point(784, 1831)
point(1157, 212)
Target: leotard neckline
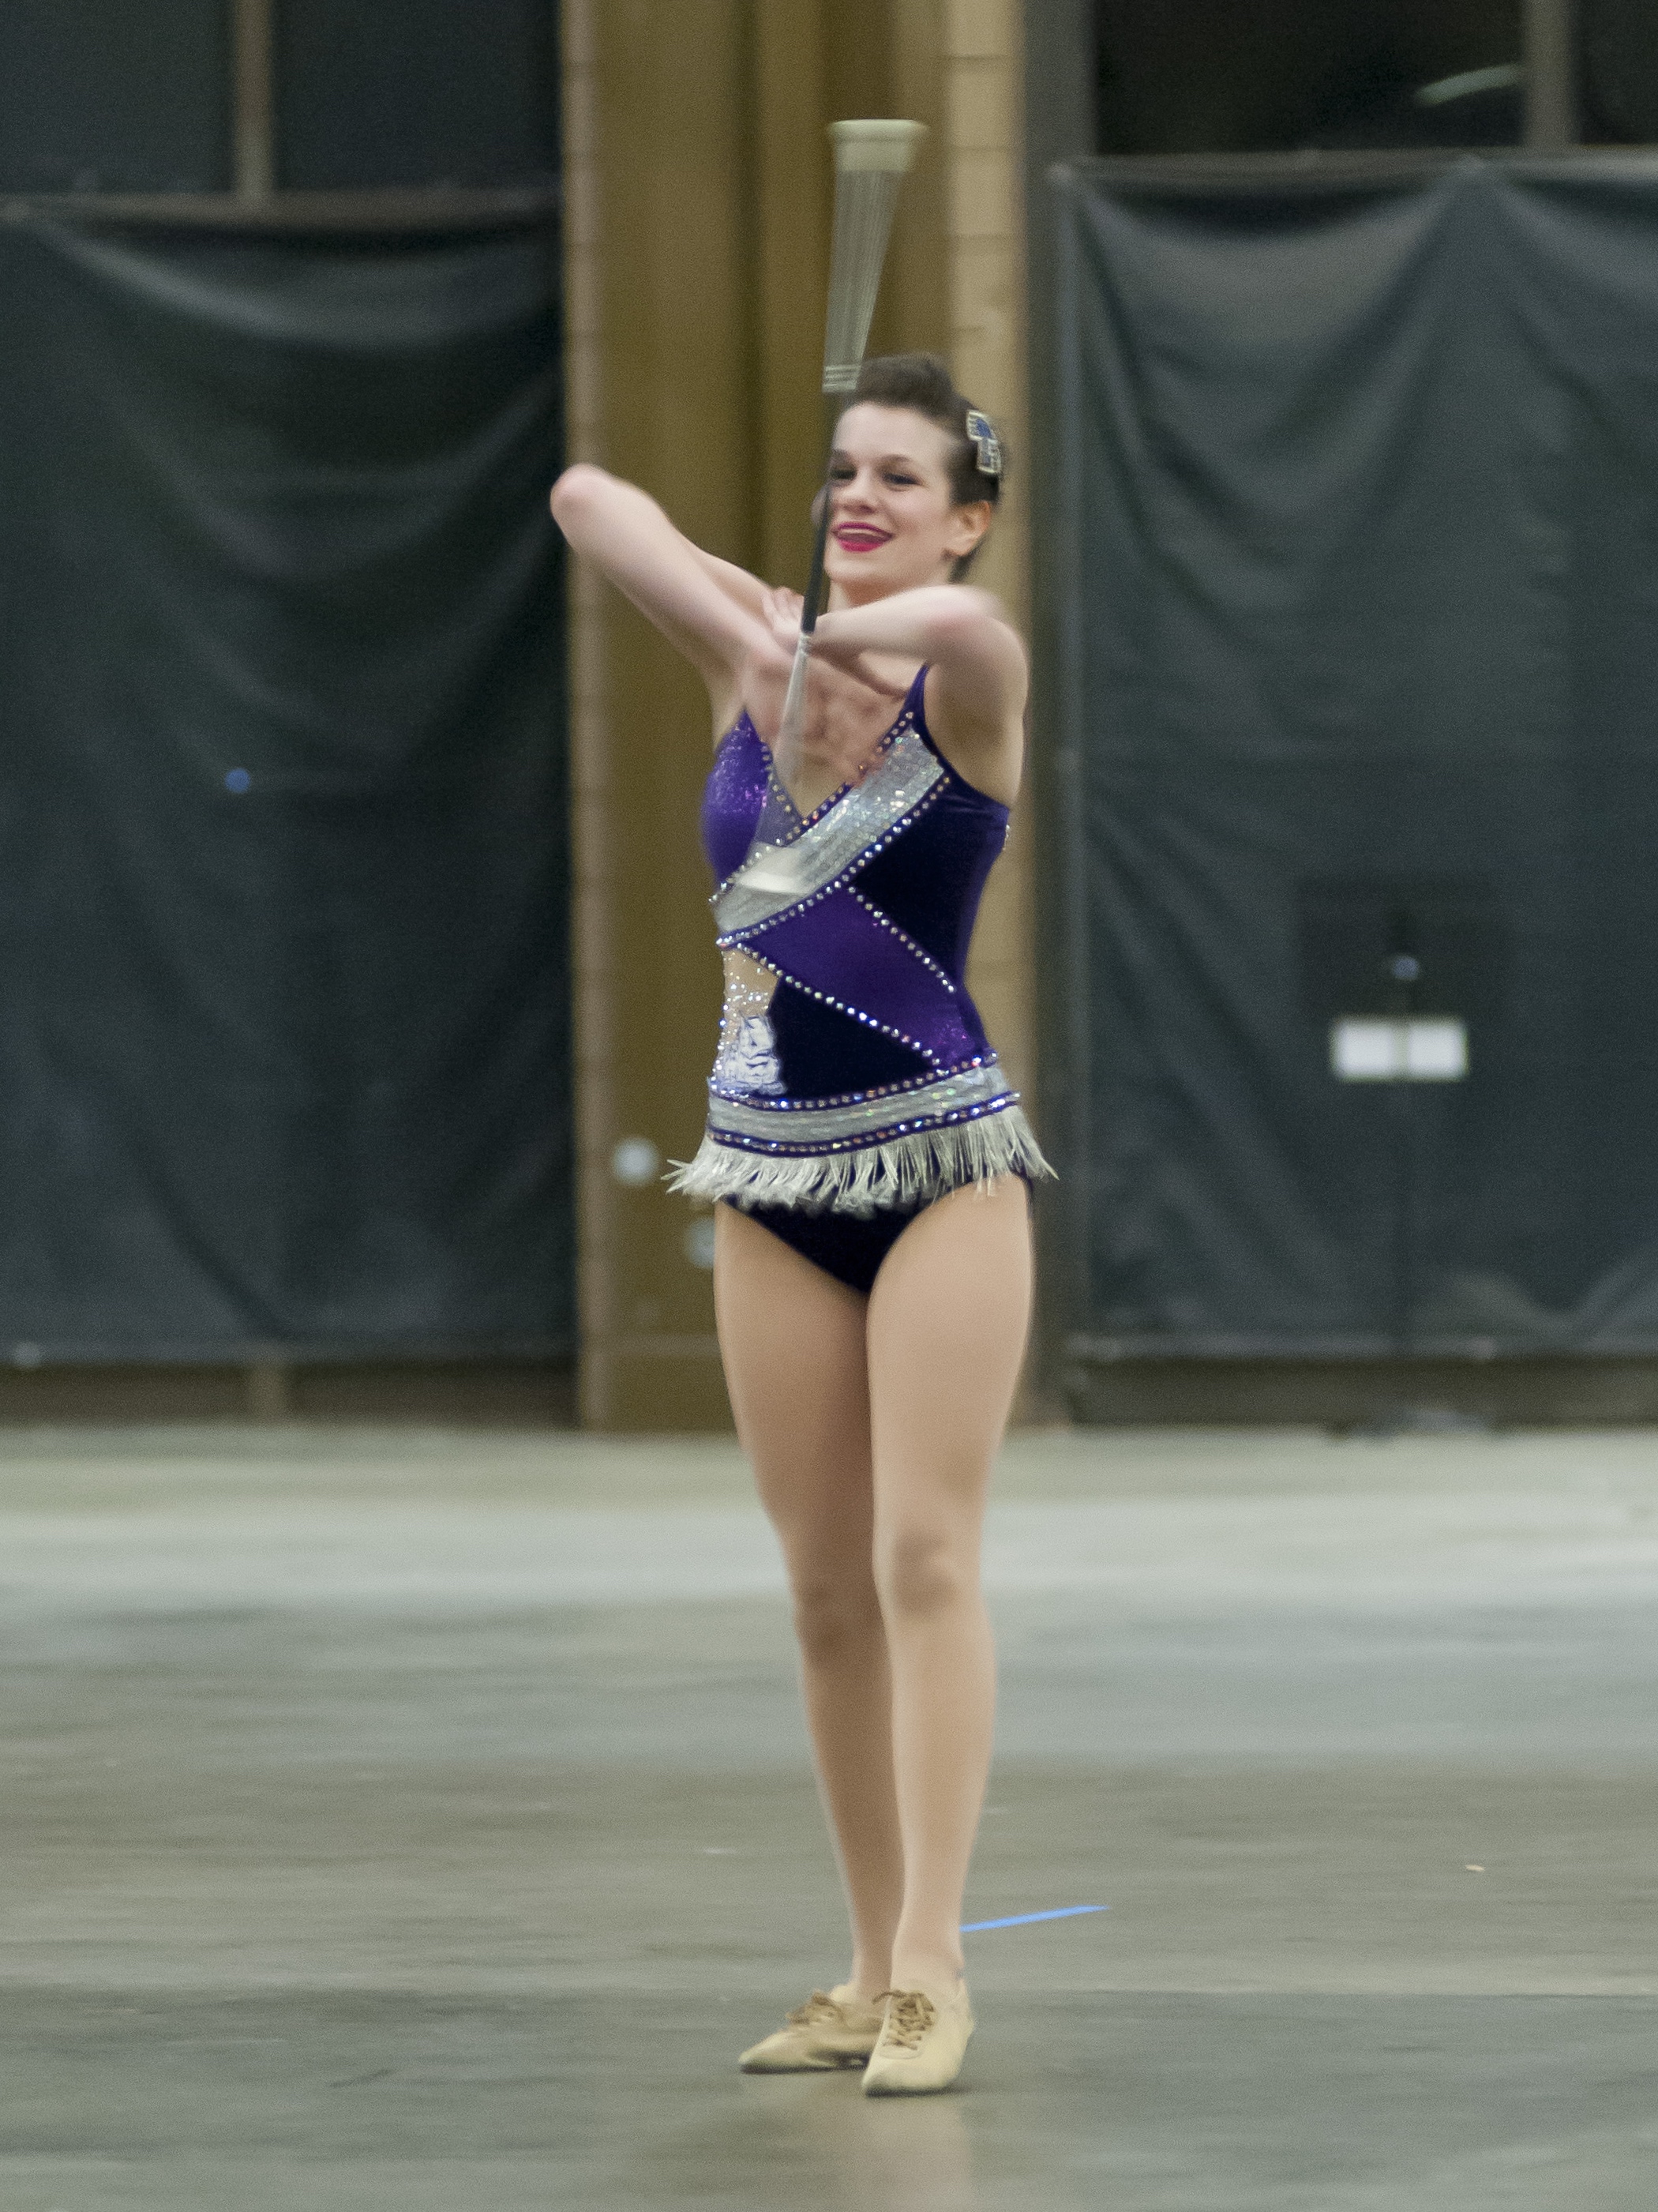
point(910, 704)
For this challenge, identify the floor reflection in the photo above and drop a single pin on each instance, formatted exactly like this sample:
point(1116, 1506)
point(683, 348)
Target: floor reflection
point(816, 2143)
point(897, 2155)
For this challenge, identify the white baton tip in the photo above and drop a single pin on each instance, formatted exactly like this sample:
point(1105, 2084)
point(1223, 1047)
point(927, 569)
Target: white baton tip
point(877, 143)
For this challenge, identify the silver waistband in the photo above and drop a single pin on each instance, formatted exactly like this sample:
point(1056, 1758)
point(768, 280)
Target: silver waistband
point(775, 877)
point(815, 1128)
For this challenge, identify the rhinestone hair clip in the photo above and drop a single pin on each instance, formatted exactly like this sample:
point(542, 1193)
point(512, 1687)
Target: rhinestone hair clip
point(988, 444)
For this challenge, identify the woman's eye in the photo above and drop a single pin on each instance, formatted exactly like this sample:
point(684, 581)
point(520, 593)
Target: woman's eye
point(895, 477)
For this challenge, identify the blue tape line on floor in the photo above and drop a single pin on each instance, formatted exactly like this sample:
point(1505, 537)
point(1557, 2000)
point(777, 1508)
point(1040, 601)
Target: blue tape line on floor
point(1024, 1919)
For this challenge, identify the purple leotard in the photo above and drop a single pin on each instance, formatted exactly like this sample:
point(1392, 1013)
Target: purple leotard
point(854, 1083)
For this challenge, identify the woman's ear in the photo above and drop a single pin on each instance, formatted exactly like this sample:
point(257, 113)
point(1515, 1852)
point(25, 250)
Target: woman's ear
point(969, 527)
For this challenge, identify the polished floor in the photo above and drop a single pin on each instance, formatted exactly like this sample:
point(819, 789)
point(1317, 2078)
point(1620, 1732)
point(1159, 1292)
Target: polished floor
point(421, 1821)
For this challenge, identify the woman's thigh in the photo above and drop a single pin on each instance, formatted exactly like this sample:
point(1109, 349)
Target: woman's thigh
point(792, 1341)
point(946, 1332)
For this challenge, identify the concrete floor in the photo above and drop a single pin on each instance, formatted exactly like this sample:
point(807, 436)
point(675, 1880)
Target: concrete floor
point(407, 1821)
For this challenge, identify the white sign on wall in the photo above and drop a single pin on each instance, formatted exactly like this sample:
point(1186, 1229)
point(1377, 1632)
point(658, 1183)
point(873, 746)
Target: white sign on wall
point(1424, 1048)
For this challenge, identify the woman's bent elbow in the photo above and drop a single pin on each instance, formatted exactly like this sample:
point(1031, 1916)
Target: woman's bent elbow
point(574, 492)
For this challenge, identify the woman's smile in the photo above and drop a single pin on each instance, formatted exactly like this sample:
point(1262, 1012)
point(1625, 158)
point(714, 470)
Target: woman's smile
point(860, 537)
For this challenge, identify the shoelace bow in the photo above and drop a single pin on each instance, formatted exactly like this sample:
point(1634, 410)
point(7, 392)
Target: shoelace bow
point(911, 2015)
point(818, 2005)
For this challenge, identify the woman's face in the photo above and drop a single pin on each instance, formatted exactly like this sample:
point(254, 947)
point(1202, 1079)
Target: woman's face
point(893, 525)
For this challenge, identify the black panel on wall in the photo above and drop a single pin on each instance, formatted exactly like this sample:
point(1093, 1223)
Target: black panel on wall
point(1620, 86)
point(102, 95)
point(1200, 76)
point(385, 93)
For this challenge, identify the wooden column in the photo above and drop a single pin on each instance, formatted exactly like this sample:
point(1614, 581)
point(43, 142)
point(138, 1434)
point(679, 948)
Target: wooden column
point(267, 1384)
point(658, 99)
point(253, 135)
point(915, 310)
point(590, 934)
point(1060, 123)
point(983, 107)
point(793, 189)
point(1550, 28)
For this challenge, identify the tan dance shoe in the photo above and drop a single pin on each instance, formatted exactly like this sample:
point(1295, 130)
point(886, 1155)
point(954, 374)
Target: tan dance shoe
point(829, 2031)
point(922, 2043)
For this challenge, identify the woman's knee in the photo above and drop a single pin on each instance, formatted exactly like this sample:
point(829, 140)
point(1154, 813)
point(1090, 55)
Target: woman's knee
point(836, 1608)
point(923, 1568)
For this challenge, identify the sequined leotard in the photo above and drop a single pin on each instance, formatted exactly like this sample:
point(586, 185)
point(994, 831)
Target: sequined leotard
point(854, 1083)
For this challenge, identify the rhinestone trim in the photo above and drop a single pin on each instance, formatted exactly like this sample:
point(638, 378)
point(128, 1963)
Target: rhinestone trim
point(907, 941)
point(840, 838)
point(814, 1125)
point(852, 1014)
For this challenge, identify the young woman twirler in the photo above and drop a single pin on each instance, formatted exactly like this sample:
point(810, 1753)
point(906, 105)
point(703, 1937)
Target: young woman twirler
point(869, 1165)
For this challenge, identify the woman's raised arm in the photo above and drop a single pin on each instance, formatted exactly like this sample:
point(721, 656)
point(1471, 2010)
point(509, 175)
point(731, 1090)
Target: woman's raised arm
point(689, 595)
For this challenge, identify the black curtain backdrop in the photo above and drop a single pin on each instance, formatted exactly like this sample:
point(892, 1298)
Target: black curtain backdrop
point(1359, 557)
point(285, 1001)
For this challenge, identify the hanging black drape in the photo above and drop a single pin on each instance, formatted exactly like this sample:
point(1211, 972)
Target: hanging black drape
point(1358, 548)
point(284, 1003)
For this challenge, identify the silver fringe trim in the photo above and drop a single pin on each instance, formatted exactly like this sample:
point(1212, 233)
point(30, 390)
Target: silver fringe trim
point(904, 1171)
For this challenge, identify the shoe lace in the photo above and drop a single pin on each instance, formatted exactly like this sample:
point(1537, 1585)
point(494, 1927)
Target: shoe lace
point(818, 2007)
point(910, 2014)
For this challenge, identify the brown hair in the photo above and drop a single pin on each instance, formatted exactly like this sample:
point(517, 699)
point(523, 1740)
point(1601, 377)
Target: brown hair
point(922, 383)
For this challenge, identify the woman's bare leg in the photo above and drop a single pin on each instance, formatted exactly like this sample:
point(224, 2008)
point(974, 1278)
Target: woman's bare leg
point(946, 1333)
point(792, 1340)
